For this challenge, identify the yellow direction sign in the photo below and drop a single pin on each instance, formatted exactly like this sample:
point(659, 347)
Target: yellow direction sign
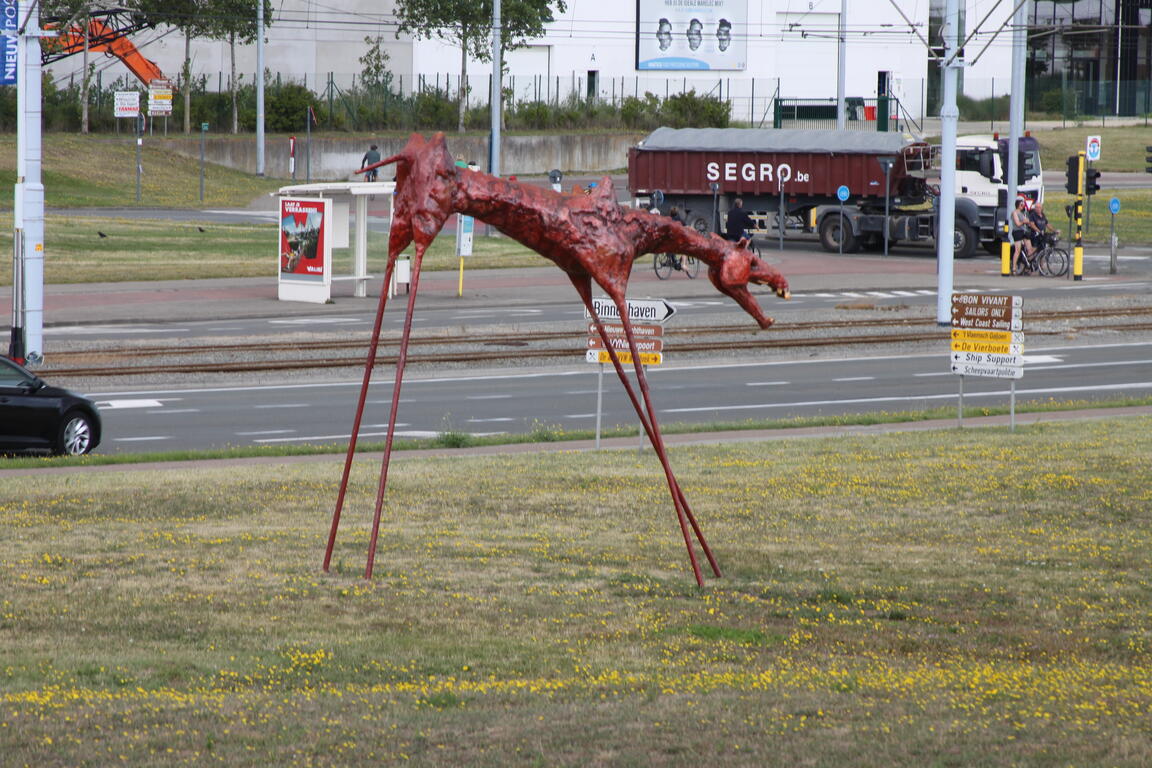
point(602, 356)
point(993, 337)
point(984, 346)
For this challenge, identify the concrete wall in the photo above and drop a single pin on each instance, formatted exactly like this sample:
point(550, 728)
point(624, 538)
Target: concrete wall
point(335, 159)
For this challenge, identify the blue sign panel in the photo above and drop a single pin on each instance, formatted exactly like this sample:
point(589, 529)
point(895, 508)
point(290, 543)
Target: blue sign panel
point(842, 192)
point(9, 50)
point(1114, 205)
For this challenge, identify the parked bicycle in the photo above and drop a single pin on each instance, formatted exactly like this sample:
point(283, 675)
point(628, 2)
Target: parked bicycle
point(1047, 259)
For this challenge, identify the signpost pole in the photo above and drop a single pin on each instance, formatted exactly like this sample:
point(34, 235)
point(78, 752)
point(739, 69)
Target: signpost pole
point(599, 402)
point(1114, 208)
point(1012, 407)
point(841, 238)
point(960, 404)
point(842, 194)
point(139, 147)
point(780, 216)
point(203, 132)
point(1112, 241)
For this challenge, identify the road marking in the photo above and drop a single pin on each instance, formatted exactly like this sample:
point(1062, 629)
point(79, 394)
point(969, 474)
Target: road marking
point(318, 321)
point(124, 405)
point(484, 421)
point(856, 378)
point(92, 330)
point(905, 398)
point(765, 383)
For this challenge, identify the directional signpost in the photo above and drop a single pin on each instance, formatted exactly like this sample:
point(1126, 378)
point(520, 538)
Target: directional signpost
point(647, 317)
point(1114, 208)
point(987, 340)
point(842, 194)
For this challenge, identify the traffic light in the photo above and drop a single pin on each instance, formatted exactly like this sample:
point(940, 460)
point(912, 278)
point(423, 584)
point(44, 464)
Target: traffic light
point(1091, 181)
point(1072, 185)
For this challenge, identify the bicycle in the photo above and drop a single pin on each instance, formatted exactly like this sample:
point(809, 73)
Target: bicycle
point(664, 263)
point(1047, 259)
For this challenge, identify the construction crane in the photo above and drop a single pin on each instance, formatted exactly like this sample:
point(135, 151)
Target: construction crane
point(107, 32)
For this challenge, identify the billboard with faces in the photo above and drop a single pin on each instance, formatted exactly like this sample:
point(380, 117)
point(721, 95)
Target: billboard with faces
point(677, 35)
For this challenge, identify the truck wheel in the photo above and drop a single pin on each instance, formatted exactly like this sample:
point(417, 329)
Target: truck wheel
point(963, 241)
point(830, 233)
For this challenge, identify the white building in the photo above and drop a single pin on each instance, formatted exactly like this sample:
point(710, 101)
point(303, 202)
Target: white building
point(785, 48)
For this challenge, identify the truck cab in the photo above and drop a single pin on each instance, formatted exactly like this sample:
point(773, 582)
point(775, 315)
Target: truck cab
point(982, 177)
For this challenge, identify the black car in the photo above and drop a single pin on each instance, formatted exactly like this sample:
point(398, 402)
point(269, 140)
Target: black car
point(36, 416)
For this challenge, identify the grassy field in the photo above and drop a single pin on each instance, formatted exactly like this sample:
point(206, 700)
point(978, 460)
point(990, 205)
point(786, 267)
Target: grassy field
point(960, 598)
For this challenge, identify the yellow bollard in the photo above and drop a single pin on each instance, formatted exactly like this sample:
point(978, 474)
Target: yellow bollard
point(1005, 254)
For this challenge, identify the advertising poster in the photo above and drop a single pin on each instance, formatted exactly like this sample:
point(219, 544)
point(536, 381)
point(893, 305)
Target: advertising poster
point(691, 34)
point(304, 247)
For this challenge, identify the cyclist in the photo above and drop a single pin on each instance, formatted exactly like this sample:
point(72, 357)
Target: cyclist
point(739, 222)
point(1021, 227)
point(371, 157)
point(1043, 227)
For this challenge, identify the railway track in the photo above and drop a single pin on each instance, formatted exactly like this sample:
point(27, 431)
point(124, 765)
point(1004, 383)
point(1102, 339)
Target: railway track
point(478, 348)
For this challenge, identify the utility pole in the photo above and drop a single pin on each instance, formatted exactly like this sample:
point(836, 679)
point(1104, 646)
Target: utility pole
point(842, 68)
point(949, 118)
point(259, 87)
point(494, 100)
point(1016, 102)
point(28, 208)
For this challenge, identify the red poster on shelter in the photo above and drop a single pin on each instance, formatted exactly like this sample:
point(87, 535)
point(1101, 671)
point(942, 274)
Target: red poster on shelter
point(302, 237)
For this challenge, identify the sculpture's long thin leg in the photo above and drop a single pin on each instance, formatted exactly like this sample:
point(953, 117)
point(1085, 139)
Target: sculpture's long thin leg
point(678, 496)
point(583, 287)
point(400, 362)
point(368, 366)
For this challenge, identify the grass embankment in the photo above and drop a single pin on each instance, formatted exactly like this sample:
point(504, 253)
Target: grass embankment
point(951, 598)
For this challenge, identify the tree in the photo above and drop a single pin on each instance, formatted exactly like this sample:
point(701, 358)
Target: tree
point(234, 21)
point(191, 17)
point(467, 24)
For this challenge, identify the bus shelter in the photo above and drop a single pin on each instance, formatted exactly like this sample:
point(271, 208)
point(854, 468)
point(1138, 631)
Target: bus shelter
point(314, 220)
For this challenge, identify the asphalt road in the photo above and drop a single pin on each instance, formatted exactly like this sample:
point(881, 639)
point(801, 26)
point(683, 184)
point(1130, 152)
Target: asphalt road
point(521, 401)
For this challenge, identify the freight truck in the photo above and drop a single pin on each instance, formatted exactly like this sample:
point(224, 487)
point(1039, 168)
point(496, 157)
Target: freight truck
point(798, 175)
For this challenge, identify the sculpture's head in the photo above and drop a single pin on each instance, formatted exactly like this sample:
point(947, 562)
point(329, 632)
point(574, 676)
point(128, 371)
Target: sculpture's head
point(736, 269)
point(425, 179)
point(760, 273)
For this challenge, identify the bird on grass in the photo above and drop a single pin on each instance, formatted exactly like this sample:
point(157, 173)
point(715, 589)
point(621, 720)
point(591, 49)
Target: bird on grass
point(101, 233)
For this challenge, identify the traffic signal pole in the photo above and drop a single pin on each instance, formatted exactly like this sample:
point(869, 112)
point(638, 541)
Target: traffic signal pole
point(1078, 250)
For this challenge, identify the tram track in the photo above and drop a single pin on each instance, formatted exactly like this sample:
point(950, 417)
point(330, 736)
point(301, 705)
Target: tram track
point(206, 358)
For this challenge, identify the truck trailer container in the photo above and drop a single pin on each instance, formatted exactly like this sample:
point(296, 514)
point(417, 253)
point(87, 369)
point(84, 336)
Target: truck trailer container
point(796, 175)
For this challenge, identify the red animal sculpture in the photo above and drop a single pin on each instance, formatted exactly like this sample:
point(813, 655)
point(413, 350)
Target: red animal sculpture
point(591, 237)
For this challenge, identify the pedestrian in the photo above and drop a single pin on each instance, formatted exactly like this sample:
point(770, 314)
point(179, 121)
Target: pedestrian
point(739, 222)
point(371, 157)
point(674, 214)
point(1021, 227)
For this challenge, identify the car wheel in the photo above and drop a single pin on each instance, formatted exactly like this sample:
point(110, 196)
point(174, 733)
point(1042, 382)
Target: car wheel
point(75, 438)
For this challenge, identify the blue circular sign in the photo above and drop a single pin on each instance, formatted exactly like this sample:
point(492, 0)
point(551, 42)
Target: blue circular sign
point(1114, 205)
point(842, 192)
